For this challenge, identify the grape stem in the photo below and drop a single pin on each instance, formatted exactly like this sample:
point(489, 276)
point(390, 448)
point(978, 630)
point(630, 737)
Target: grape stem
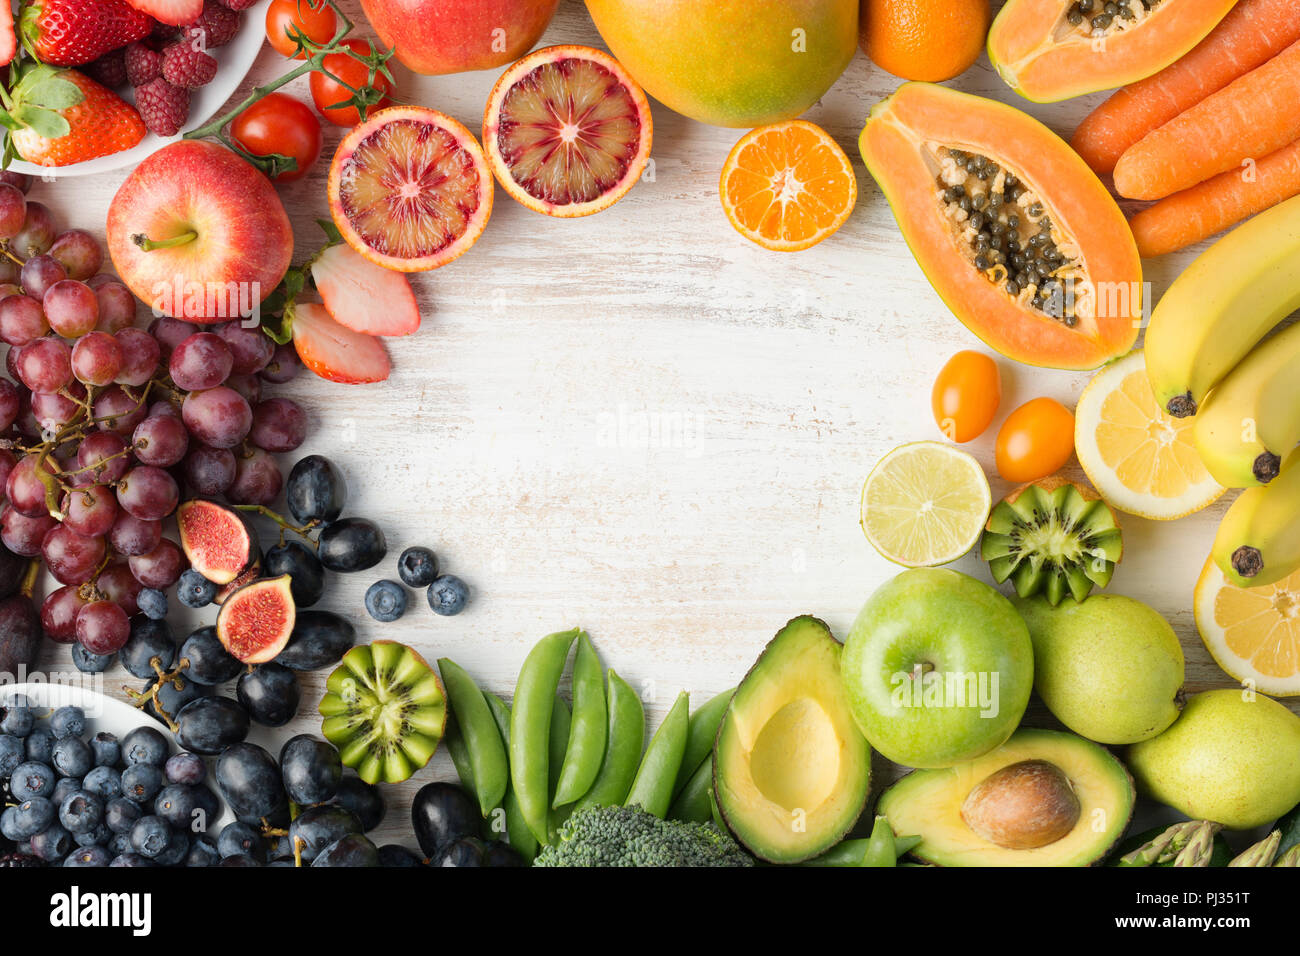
point(285, 524)
point(28, 586)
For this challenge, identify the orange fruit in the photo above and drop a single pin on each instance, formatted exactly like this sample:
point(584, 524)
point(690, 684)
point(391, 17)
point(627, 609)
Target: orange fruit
point(409, 189)
point(930, 40)
point(787, 186)
point(567, 131)
point(1253, 633)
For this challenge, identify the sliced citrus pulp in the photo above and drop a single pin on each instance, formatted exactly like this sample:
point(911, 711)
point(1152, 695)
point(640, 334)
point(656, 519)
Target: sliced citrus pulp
point(925, 504)
point(409, 189)
point(1142, 460)
point(787, 186)
point(1253, 633)
point(567, 131)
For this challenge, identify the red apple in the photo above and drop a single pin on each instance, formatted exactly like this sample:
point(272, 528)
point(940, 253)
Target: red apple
point(452, 36)
point(199, 234)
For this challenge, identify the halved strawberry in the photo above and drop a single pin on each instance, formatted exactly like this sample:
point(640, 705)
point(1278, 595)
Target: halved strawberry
point(8, 38)
point(176, 13)
point(363, 296)
point(334, 352)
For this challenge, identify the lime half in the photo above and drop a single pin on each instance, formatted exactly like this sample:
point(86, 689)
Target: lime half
point(925, 504)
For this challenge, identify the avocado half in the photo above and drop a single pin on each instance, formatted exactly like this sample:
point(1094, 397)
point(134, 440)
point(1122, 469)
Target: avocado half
point(791, 770)
point(930, 803)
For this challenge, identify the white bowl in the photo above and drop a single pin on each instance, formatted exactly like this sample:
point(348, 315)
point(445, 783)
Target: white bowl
point(234, 60)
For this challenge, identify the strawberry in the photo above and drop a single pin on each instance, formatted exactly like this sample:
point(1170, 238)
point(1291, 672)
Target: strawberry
point(8, 38)
point(177, 13)
point(334, 352)
point(363, 296)
point(76, 119)
point(75, 32)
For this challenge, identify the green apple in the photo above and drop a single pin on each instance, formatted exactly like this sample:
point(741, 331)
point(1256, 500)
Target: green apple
point(938, 668)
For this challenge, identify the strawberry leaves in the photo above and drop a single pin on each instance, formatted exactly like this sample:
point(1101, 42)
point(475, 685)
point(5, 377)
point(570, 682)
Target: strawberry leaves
point(36, 101)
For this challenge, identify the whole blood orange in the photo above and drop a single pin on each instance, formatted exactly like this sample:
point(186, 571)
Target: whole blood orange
point(409, 189)
point(567, 131)
point(930, 40)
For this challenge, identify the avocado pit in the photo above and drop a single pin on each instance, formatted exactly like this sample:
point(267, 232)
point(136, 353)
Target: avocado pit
point(1023, 806)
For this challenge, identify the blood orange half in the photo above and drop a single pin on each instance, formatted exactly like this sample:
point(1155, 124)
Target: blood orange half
point(409, 189)
point(567, 131)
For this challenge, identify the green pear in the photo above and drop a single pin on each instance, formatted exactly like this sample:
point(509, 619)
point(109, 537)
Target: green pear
point(1232, 756)
point(1110, 668)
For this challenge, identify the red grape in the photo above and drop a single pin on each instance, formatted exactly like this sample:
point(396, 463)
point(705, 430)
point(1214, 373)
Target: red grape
point(10, 403)
point(219, 416)
point(170, 332)
point(101, 456)
point(279, 424)
point(78, 253)
point(250, 386)
point(147, 492)
point(102, 627)
point(140, 356)
point(22, 320)
point(115, 410)
point(96, 358)
point(161, 567)
point(7, 462)
point(257, 480)
point(209, 471)
point(23, 534)
point(25, 491)
point(164, 407)
point(200, 361)
point(250, 347)
point(41, 272)
point(71, 308)
point(45, 365)
point(284, 365)
point(72, 558)
point(119, 585)
point(59, 613)
point(130, 535)
point(13, 210)
point(37, 234)
point(160, 440)
point(53, 410)
point(116, 306)
point(90, 511)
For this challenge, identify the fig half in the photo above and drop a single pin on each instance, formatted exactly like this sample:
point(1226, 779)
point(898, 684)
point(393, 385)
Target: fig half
point(219, 543)
point(255, 622)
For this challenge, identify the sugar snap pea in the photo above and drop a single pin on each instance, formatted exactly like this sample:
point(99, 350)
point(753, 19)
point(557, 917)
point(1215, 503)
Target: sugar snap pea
point(530, 726)
point(699, 740)
point(623, 742)
point(561, 724)
point(487, 754)
point(882, 848)
point(459, 753)
point(586, 744)
point(517, 832)
point(692, 804)
point(652, 789)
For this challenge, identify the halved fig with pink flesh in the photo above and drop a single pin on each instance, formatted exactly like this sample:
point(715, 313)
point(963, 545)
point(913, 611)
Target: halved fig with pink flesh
point(255, 622)
point(219, 543)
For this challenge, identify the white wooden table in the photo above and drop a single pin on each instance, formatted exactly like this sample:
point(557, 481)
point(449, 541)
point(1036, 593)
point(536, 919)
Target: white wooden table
point(643, 424)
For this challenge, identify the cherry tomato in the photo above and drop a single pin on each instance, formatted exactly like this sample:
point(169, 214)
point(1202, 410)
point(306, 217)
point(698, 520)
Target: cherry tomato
point(326, 90)
point(278, 123)
point(966, 396)
point(315, 18)
point(1035, 441)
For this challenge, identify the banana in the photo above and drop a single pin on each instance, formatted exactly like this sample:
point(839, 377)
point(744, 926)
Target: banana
point(1252, 418)
point(1220, 308)
point(1259, 538)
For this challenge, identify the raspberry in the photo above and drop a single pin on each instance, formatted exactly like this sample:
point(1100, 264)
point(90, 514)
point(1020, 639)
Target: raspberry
point(109, 70)
point(163, 107)
point(184, 66)
point(216, 24)
point(143, 63)
point(237, 4)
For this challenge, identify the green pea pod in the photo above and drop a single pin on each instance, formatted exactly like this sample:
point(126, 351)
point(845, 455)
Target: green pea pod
point(652, 790)
point(904, 845)
point(623, 743)
point(586, 744)
point(459, 752)
point(692, 804)
point(517, 832)
point(882, 848)
point(561, 727)
point(718, 820)
point(487, 754)
point(530, 726)
point(880, 845)
point(699, 740)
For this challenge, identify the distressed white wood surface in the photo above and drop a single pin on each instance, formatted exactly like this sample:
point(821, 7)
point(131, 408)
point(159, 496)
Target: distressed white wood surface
point(643, 424)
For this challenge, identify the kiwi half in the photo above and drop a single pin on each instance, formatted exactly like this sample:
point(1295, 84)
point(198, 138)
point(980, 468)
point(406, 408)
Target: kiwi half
point(1052, 537)
point(385, 711)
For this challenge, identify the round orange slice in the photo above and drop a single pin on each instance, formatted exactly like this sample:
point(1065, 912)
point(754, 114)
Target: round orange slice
point(1253, 633)
point(788, 186)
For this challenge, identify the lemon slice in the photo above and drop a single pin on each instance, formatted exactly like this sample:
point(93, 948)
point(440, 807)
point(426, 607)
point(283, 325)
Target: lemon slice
point(1140, 459)
point(1253, 633)
point(925, 504)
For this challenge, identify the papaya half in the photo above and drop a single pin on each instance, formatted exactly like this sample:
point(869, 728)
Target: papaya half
point(1017, 235)
point(1049, 50)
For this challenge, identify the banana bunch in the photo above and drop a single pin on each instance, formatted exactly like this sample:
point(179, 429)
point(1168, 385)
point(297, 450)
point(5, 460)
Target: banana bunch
point(1209, 354)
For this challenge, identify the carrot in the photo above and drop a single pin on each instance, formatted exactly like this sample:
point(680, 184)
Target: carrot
point(1252, 33)
point(1252, 116)
point(1210, 207)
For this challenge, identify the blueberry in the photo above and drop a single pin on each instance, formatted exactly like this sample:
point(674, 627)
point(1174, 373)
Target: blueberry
point(141, 783)
point(68, 722)
point(176, 805)
point(18, 719)
point(24, 820)
point(152, 604)
point(417, 567)
point(106, 749)
point(52, 844)
point(238, 839)
point(386, 601)
point(185, 768)
point(32, 779)
point(150, 836)
point(177, 849)
point(131, 859)
point(40, 743)
point(89, 856)
point(12, 752)
point(121, 813)
point(194, 590)
point(89, 663)
point(72, 757)
point(119, 843)
point(149, 639)
point(65, 786)
point(103, 782)
point(81, 811)
point(448, 595)
point(144, 745)
point(99, 835)
point(203, 852)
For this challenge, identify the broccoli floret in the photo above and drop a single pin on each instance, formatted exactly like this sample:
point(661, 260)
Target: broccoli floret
point(628, 836)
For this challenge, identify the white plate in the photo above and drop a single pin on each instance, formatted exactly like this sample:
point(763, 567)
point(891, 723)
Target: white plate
point(234, 60)
point(102, 714)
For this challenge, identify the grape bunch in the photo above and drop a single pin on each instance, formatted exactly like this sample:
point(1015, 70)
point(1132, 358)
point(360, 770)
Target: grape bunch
point(103, 423)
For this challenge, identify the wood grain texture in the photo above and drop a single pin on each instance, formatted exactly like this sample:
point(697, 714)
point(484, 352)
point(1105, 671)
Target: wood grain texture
point(643, 424)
